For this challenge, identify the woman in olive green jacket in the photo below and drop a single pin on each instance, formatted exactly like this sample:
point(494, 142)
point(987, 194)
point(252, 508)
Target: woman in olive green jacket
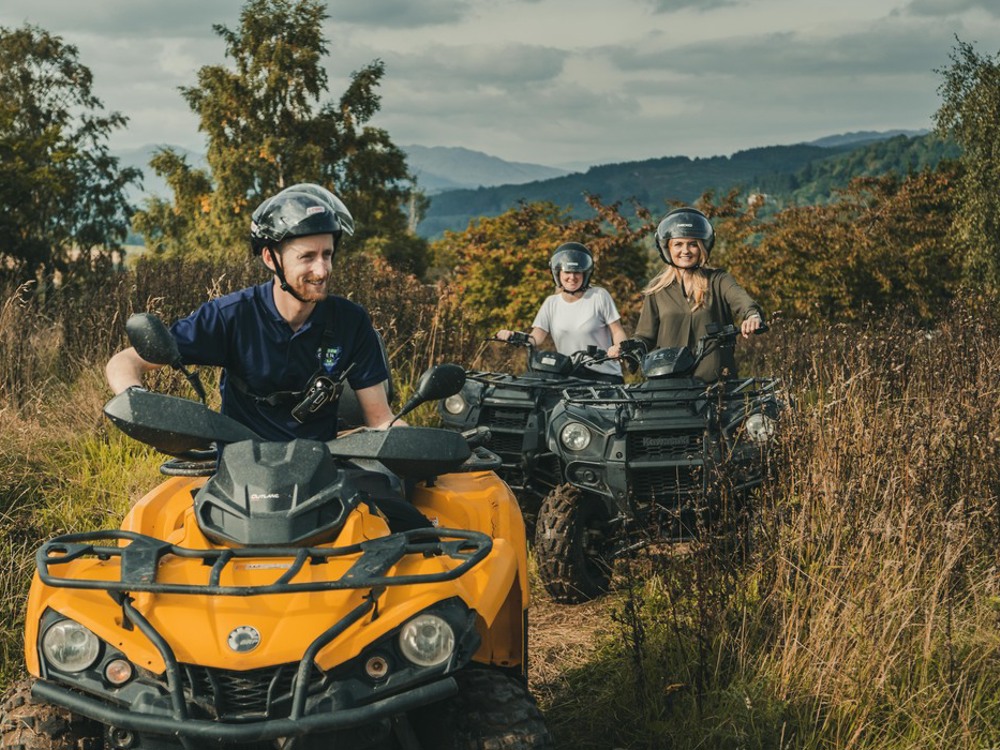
point(688, 295)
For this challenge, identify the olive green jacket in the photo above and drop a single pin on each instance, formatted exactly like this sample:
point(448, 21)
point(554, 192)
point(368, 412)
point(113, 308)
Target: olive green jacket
point(667, 320)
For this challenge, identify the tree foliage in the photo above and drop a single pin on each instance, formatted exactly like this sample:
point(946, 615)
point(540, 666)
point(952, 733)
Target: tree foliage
point(60, 188)
point(267, 127)
point(884, 244)
point(970, 113)
point(500, 264)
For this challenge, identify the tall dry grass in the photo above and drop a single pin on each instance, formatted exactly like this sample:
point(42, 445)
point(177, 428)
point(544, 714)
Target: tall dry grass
point(864, 617)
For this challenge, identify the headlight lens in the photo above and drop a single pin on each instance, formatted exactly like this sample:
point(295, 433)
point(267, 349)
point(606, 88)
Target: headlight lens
point(575, 436)
point(760, 427)
point(70, 647)
point(455, 404)
point(427, 640)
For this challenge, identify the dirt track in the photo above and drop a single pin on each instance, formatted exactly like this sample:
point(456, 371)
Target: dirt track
point(562, 637)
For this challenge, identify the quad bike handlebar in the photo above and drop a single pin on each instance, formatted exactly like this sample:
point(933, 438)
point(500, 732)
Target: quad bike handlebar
point(632, 351)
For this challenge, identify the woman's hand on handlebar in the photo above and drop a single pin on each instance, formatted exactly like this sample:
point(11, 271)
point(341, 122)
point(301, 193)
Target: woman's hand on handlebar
point(752, 325)
point(628, 346)
point(503, 334)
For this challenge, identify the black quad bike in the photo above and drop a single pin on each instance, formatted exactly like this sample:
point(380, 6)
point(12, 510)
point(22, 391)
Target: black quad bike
point(515, 409)
point(366, 592)
point(658, 461)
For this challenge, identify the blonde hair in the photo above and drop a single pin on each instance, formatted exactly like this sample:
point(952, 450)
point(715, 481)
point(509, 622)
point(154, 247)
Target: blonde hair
point(694, 281)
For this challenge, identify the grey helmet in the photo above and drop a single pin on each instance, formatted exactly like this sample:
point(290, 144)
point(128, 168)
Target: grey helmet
point(684, 223)
point(298, 213)
point(346, 220)
point(572, 256)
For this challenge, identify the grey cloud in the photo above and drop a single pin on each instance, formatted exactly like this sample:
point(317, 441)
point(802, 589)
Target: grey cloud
point(669, 6)
point(151, 18)
point(465, 67)
point(885, 49)
point(543, 123)
point(945, 8)
point(399, 13)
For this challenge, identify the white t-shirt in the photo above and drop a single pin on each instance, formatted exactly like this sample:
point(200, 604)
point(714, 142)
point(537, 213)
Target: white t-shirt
point(584, 322)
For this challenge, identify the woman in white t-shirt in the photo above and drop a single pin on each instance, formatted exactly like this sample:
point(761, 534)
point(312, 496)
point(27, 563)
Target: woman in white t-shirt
point(578, 315)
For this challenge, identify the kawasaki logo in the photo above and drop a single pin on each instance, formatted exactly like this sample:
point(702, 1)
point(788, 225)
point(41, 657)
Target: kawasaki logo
point(661, 442)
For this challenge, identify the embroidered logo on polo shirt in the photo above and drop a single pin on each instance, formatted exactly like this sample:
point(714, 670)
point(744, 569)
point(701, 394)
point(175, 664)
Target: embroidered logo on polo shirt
point(329, 357)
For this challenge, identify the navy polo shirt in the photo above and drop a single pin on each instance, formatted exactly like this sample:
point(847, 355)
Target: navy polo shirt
point(244, 333)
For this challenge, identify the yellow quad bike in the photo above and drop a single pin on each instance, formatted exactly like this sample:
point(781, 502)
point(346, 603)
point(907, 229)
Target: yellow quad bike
point(271, 604)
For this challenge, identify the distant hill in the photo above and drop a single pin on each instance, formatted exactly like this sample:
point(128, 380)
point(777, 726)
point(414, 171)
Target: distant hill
point(861, 137)
point(439, 168)
point(806, 173)
point(464, 184)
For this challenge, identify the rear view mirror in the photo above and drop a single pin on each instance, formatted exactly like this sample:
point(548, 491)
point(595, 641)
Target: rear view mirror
point(438, 382)
point(152, 339)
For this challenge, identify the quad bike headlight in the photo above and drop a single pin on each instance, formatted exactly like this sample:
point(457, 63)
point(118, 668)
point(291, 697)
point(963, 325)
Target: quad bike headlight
point(575, 436)
point(70, 647)
point(455, 404)
point(760, 427)
point(427, 640)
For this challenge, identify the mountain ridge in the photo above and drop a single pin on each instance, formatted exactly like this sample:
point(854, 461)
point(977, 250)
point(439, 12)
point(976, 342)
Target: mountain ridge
point(463, 184)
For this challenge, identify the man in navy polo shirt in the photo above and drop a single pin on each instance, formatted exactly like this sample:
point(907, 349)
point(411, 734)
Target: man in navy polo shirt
point(286, 344)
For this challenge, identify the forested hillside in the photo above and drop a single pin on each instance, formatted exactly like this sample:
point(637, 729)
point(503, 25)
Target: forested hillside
point(786, 174)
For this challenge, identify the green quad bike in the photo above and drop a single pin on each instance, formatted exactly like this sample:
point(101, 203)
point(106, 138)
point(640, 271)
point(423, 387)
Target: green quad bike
point(514, 409)
point(649, 463)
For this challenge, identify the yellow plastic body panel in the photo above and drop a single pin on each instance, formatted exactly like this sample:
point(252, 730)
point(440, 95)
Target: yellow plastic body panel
point(197, 626)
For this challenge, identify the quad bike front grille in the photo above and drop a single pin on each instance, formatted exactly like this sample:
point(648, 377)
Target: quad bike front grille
point(667, 487)
point(254, 694)
point(507, 427)
point(503, 418)
point(507, 445)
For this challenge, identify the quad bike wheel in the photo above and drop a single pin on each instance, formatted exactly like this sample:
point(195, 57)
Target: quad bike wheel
point(492, 711)
point(573, 545)
point(26, 724)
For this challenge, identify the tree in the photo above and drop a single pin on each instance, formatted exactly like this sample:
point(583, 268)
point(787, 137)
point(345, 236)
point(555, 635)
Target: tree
point(267, 128)
point(970, 113)
point(501, 264)
point(60, 189)
point(884, 243)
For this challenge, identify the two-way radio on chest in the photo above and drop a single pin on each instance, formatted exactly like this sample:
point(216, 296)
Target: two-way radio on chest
point(321, 390)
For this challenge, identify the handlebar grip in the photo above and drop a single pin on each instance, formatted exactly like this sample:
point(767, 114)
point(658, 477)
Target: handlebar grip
point(628, 346)
point(477, 435)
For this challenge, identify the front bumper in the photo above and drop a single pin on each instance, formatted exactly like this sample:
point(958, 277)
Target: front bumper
point(255, 731)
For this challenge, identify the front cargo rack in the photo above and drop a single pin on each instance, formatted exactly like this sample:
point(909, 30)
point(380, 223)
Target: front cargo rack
point(653, 392)
point(140, 558)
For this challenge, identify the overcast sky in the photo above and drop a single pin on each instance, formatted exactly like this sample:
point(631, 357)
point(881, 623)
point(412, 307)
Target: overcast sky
point(560, 82)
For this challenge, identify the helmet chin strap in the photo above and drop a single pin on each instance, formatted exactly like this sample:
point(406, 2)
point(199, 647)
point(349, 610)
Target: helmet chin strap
point(279, 272)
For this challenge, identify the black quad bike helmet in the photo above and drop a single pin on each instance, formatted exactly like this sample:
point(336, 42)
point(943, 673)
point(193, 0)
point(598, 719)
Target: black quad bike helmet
point(572, 256)
point(681, 223)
